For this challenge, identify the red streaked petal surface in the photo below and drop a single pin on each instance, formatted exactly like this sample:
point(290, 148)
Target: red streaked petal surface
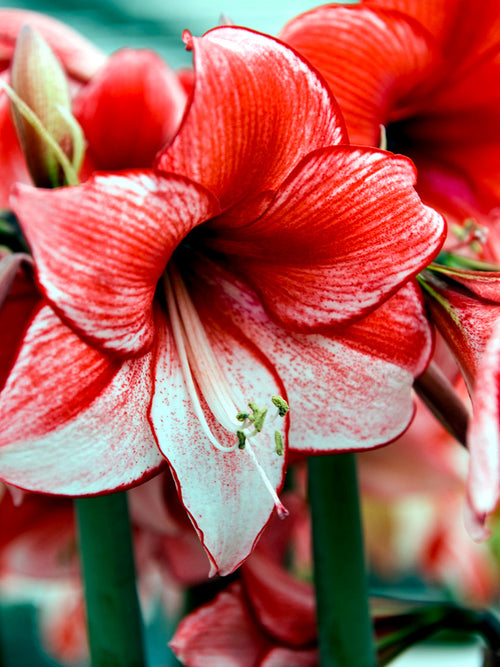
point(484, 284)
point(439, 75)
point(223, 493)
point(72, 422)
point(130, 110)
point(349, 391)
point(101, 247)
point(445, 20)
point(483, 437)
point(343, 233)
point(373, 60)
point(285, 607)
point(78, 56)
point(220, 633)
point(12, 165)
point(246, 135)
point(16, 307)
point(465, 322)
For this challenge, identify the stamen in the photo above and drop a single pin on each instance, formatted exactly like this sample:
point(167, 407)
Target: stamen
point(179, 338)
point(241, 439)
point(278, 440)
point(280, 508)
point(210, 378)
point(198, 359)
point(281, 404)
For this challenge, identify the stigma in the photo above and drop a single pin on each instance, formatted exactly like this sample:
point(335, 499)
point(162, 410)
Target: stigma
point(204, 376)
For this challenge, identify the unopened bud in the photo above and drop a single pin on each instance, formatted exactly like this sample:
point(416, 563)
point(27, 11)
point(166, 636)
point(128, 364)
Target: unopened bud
point(49, 135)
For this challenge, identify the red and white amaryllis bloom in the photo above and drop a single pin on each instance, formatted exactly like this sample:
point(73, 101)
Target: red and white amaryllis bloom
point(427, 73)
point(264, 257)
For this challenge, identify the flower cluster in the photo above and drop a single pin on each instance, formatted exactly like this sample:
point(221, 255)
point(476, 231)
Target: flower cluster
point(213, 277)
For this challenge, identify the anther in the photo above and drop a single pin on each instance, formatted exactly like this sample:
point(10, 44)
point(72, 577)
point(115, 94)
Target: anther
point(281, 404)
point(278, 440)
point(242, 438)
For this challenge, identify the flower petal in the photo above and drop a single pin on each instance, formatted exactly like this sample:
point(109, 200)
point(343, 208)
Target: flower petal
point(12, 165)
point(284, 606)
point(347, 391)
point(465, 322)
point(483, 438)
point(280, 656)
point(101, 247)
point(245, 136)
point(130, 109)
point(220, 633)
point(72, 422)
point(374, 61)
point(223, 492)
point(18, 299)
point(342, 234)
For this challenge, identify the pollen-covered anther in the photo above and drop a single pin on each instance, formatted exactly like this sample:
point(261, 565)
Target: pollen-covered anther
point(241, 439)
point(281, 404)
point(278, 441)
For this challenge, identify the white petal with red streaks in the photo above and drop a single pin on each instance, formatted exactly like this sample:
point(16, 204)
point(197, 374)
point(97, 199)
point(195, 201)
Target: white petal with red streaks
point(72, 422)
point(223, 492)
point(349, 391)
point(101, 247)
point(483, 436)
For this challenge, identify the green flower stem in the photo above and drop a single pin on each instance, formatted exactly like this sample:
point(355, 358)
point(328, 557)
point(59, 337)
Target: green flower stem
point(344, 624)
point(113, 613)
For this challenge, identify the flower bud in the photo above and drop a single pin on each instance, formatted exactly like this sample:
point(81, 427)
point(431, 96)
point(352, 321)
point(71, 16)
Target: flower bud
point(42, 110)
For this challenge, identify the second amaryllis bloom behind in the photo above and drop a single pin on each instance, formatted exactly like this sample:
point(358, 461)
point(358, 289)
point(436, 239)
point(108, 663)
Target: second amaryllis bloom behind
point(263, 259)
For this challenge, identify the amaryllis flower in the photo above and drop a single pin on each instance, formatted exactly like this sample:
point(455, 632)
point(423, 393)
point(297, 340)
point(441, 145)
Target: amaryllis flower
point(264, 259)
point(430, 76)
point(129, 105)
point(465, 305)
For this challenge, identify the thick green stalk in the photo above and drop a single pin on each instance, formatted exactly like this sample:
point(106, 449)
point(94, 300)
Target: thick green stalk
point(344, 624)
point(113, 613)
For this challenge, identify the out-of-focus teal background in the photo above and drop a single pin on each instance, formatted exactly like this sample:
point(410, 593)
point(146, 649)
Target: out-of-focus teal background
point(158, 24)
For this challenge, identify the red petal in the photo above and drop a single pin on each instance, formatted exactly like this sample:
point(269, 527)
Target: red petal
point(18, 299)
point(374, 61)
point(78, 56)
point(348, 391)
point(223, 493)
point(220, 633)
point(484, 284)
point(246, 135)
point(130, 110)
point(285, 657)
point(72, 422)
point(285, 607)
point(343, 233)
point(101, 247)
point(12, 165)
point(440, 77)
point(465, 322)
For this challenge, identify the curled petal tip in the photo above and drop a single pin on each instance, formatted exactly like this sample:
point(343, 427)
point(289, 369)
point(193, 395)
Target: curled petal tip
point(187, 38)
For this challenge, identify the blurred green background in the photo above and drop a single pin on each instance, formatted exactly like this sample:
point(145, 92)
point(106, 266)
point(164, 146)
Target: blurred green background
point(158, 24)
